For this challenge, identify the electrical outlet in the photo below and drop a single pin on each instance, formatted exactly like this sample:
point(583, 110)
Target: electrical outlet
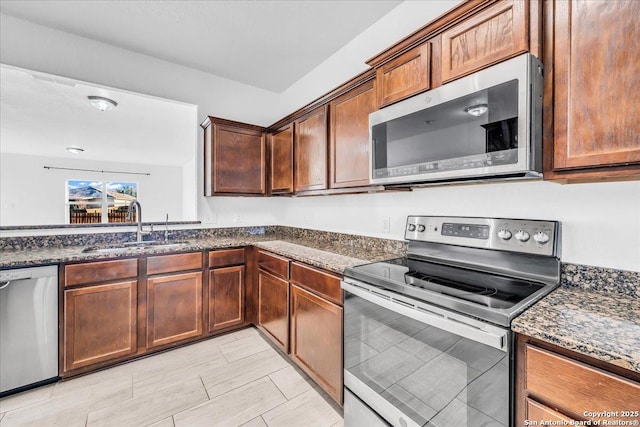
point(238, 217)
point(385, 224)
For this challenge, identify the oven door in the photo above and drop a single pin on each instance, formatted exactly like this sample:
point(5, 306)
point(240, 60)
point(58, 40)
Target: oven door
point(415, 364)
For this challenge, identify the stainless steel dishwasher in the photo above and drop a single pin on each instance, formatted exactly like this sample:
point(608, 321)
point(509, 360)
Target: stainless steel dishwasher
point(28, 328)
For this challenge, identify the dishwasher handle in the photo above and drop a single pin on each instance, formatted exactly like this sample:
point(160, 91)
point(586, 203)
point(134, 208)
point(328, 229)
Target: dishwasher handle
point(4, 284)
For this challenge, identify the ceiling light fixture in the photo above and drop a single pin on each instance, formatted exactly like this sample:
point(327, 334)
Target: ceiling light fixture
point(101, 103)
point(75, 150)
point(477, 110)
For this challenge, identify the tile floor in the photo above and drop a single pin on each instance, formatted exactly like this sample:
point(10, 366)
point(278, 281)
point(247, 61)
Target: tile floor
point(236, 379)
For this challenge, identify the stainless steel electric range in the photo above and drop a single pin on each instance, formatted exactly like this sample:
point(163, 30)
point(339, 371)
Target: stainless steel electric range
point(426, 337)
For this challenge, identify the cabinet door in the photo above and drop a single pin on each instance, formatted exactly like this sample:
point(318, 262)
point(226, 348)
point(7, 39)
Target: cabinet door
point(596, 64)
point(273, 308)
point(310, 164)
point(492, 35)
point(174, 308)
point(281, 171)
point(404, 76)
point(349, 140)
point(226, 297)
point(316, 339)
point(239, 161)
point(99, 323)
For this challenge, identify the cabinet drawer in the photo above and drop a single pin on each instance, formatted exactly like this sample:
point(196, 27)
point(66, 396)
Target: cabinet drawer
point(576, 387)
point(496, 33)
point(274, 264)
point(537, 411)
point(94, 272)
point(226, 257)
point(172, 263)
point(324, 284)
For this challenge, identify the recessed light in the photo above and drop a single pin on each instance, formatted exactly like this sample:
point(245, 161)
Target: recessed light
point(101, 103)
point(75, 150)
point(477, 110)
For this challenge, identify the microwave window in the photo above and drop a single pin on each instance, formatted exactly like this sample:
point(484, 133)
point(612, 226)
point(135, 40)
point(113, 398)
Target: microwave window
point(476, 130)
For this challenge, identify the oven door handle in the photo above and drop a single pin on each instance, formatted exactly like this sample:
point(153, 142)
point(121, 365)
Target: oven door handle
point(492, 336)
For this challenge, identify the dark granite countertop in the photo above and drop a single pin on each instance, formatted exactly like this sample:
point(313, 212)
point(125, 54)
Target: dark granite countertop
point(605, 326)
point(326, 255)
point(332, 256)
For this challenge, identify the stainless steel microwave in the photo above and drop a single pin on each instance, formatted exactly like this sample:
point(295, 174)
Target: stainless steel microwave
point(487, 125)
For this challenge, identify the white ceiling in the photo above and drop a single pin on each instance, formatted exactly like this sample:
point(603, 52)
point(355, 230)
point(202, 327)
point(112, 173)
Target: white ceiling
point(42, 116)
point(266, 44)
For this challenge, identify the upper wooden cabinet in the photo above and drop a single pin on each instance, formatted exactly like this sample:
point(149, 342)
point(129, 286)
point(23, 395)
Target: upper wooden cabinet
point(234, 158)
point(281, 160)
point(591, 90)
point(492, 35)
point(349, 136)
point(404, 76)
point(310, 149)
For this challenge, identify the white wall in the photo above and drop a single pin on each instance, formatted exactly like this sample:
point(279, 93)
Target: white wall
point(600, 222)
point(32, 195)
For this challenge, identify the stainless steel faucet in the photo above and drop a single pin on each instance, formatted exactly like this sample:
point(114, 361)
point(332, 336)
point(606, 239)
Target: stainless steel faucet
point(139, 231)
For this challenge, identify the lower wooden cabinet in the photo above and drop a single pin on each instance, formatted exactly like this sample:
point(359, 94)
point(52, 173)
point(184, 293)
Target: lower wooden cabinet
point(174, 308)
point(552, 385)
point(226, 297)
point(99, 324)
point(273, 308)
point(316, 339)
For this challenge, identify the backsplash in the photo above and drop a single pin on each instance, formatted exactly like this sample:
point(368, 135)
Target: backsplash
point(601, 279)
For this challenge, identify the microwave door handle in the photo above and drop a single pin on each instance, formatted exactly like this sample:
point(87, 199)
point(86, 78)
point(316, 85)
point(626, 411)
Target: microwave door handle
point(493, 339)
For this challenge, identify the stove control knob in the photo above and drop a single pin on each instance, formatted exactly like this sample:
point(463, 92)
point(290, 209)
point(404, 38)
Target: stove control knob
point(541, 237)
point(522, 235)
point(412, 227)
point(504, 234)
point(421, 228)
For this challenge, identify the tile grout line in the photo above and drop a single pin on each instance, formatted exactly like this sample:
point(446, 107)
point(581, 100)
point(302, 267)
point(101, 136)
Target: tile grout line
point(263, 420)
point(205, 389)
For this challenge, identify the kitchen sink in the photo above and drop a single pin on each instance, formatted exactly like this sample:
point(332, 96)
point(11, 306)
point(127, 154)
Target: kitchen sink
point(134, 246)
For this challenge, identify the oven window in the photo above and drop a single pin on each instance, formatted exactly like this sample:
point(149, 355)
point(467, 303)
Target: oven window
point(432, 376)
point(476, 130)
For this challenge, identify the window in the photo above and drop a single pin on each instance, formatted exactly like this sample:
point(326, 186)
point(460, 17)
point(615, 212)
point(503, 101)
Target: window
point(93, 202)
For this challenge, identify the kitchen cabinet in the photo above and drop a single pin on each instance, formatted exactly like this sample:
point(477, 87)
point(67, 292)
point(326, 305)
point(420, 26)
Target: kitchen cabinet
point(316, 326)
point(173, 298)
point(310, 151)
point(557, 384)
point(226, 289)
point(174, 308)
point(404, 76)
point(349, 136)
point(281, 160)
point(592, 64)
point(273, 298)
point(234, 158)
point(494, 34)
point(99, 313)
point(316, 339)
point(99, 323)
